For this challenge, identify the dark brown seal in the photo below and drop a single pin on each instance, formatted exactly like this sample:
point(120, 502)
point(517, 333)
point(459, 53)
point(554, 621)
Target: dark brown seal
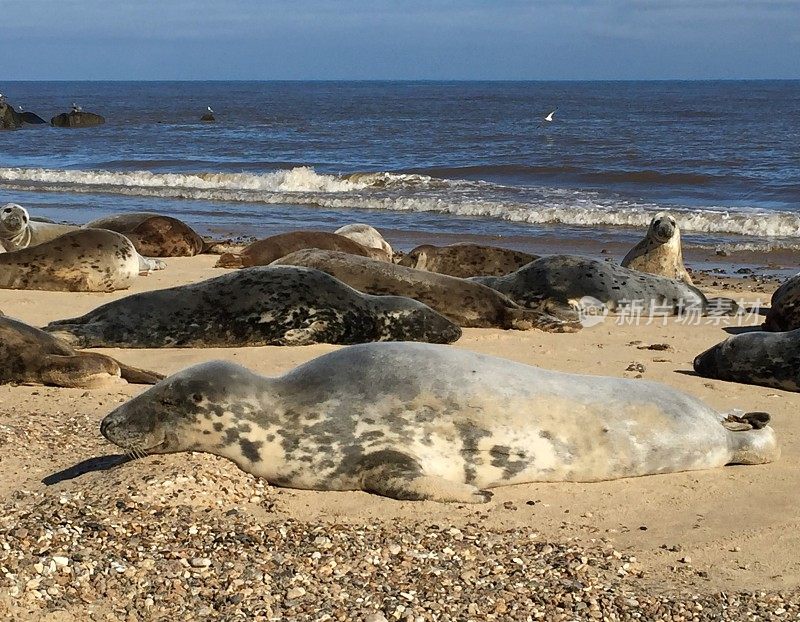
point(265, 251)
point(30, 355)
point(468, 304)
point(154, 235)
point(465, 260)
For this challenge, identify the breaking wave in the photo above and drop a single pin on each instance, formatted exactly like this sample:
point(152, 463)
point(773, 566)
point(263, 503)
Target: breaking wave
point(405, 192)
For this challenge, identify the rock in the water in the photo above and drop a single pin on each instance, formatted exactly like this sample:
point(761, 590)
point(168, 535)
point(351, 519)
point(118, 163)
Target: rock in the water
point(77, 119)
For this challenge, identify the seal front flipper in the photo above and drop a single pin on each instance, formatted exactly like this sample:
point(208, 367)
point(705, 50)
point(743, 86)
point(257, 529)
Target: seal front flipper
point(751, 439)
point(526, 319)
point(397, 475)
point(305, 336)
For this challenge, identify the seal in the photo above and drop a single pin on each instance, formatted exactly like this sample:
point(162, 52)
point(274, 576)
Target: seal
point(264, 252)
point(369, 237)
point(18, 230)
point(784, 311)
point(568, 280)
point(264, 305)
point(660, 252)
point(30, 355)
point(463, 302)
point(154, 235)
point(420, 421)
point(766, 359)
point(86, 260)
point(466, 260)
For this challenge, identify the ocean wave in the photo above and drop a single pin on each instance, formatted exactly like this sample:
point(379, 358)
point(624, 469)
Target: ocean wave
point(404, 192)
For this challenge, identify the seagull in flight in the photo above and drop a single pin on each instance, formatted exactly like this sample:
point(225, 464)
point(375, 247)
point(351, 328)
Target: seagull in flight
point(549, 117)
point(209, 109)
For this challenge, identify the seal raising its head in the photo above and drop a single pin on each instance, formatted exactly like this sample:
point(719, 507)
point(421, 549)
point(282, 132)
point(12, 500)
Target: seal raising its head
point(277, 305)
point(660, 252)
point(418, 421)
point(368, 237)
point(766, 359)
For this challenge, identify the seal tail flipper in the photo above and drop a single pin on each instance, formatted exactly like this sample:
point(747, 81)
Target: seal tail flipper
point(526, 319)
point(135, 375)
point(229, 260)
point(752, 440)
point(722, 306)
point(397, 475)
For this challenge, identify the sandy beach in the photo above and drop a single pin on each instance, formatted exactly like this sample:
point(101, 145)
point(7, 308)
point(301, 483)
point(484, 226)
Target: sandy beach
point(191, 535)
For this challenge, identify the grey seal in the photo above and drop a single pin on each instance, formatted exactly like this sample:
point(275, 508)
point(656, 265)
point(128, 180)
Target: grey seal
point(85, 260)
point(660, 252)
point(570, 280)
point(466, 303)
point(420, 421)
point(18, 230)
point(368, 237)
point(465, 260)
point(278, 305)
point(784, 311)
point(766, 359)
point(30, 355)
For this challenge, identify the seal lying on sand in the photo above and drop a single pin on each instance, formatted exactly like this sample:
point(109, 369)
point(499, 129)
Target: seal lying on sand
point(30, 355)
point(368, 237)
point(264, 252)
point(660, 252)
point(465, 260)
point(85, 260)
point(279, 305)
point(154, 235)
point(784, 312)
point(416, 421)
point(766, 359)
point(571, 280)
point(18, 230)
point(463, 302)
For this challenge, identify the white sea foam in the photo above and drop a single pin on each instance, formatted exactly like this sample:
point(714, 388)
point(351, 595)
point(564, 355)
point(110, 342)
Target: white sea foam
point(403, 192)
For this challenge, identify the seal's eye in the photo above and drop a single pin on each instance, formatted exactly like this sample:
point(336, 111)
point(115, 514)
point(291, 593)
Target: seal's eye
point(197, 398)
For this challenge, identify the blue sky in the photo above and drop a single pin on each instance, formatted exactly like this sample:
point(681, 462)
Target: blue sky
point(400, 39)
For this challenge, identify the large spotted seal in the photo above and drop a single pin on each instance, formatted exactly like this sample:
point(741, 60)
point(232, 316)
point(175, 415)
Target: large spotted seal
point(466, 303)
point(18, 230)
point(264, 252)
point(465, 260)
point(278, 305)
point(86, 260)
point(571, 280)
point(417, 421)
point(784, 311)
point(154, 235)
point(30, 355)
point(369, 237)
point(660, 252)
point(766, 359)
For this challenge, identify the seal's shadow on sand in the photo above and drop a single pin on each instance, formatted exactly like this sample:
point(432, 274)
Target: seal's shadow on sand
point(100, 463)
